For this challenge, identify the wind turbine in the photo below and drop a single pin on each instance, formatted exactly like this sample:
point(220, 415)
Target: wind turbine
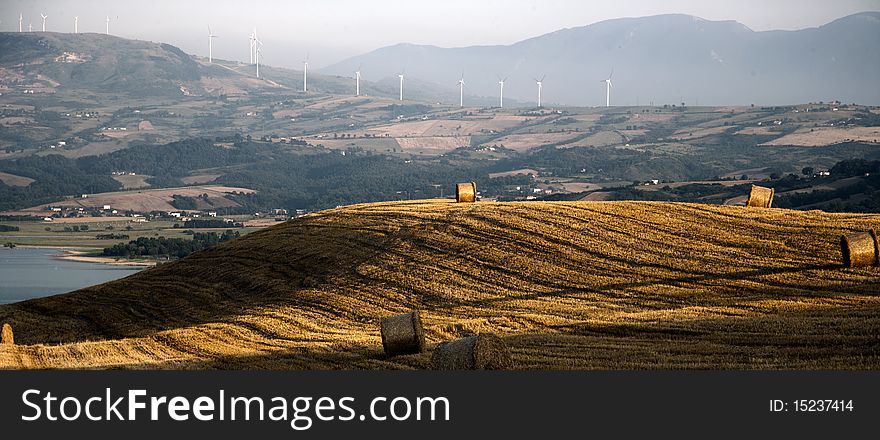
point(357, 82)
point(608, 88)
point(44, 20)
point(20, 21)
point(306, 74)
point(76, 24)
point(108, 25)
point(400, 75)
point(540, 82)
point(258, 52)
point(211, 38)
point(501, 83)
point(461, 91)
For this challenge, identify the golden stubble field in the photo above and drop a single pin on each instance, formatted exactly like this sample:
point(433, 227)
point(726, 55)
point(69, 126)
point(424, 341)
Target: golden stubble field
point(568, 285)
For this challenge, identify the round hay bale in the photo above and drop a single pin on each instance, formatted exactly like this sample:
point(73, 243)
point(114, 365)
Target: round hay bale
point(403, 334)
point(482, 352)
point(860, 249)
point(466, 192)
point(760, 197)
point(6, 336)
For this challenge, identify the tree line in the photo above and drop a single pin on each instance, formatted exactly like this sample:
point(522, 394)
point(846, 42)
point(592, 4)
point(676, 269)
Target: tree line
point(169, 247)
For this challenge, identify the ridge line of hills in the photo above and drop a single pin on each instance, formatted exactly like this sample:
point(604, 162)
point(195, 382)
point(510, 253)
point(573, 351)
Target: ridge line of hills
point(662, 59)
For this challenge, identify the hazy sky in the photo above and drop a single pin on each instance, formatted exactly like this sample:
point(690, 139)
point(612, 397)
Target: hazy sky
point(331, 30)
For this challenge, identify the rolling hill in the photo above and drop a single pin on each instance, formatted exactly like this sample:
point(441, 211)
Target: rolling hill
point(89, 65)
point(97, 63)
point(613, 285)
point(665, 59)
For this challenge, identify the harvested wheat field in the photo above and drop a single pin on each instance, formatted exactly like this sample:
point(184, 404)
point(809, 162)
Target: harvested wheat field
point(13, 180)
point(525, 142)
point(146, 200)
point(818, 137)
point(566, 285)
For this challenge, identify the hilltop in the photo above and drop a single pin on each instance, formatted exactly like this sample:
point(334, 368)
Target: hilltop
point(567, 285)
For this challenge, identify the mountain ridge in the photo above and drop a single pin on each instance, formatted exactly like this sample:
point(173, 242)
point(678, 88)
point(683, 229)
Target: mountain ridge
point(648, 54)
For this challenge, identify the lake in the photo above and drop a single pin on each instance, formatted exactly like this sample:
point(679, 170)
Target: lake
point(35, 272)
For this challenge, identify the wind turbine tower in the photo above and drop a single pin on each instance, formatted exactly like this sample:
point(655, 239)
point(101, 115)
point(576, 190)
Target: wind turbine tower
point(608, 89)
point(501, 83)
point(76, 24)
point(258, 52)
point(108, 26)
point(20, 21)
point(461, 91)
point(44, 16)
point(211, 38)
point(306, 74)
point(540, 83)
point(401, 85)
point(357, 82)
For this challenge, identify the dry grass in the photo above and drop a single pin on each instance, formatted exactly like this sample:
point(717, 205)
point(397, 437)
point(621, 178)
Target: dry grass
point(17, 120)
point(525, 142)
point(696, 133)
point(433, 145)
point(821, 136)
point(521, 171)
point(13, 180)
point(200, 178)
point(597, 196)
point(761, 131)
point(651, 117)
point(134, 182)
point(600, 139)
point(147, 200)
point(448, 127)
point(566, 285)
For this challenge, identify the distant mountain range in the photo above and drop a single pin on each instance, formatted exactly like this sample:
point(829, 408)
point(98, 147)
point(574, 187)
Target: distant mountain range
point(664, 59)
point(660, 59)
